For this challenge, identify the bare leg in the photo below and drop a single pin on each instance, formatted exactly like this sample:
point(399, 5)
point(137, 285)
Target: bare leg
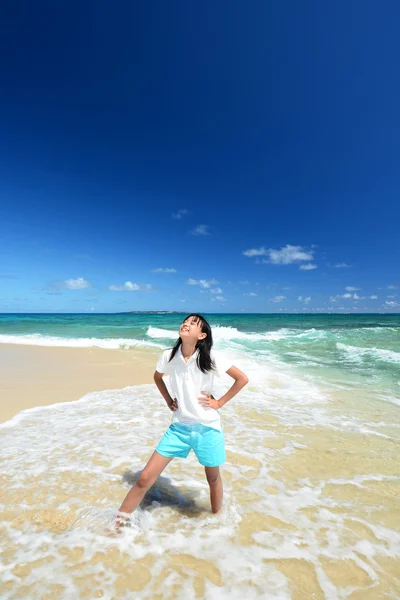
point(216, 489)
point(148, 476)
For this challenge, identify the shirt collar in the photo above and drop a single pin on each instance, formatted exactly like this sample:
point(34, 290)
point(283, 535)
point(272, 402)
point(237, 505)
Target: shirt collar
point(191, 358)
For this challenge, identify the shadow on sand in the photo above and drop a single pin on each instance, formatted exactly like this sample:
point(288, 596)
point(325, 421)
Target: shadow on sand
point(164, 493)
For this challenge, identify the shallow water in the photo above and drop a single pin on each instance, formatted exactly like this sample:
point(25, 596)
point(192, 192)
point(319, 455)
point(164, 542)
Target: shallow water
point(312, 482)
point(311, 500)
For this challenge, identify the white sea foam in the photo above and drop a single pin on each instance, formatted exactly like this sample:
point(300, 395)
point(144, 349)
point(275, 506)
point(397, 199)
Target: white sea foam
point(92, 449)
point(223, 334)
point(37, 339)
point(392, 399)
point(356, 354)
point(158, 333)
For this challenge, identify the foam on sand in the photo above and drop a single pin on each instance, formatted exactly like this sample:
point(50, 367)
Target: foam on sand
point(310, 499)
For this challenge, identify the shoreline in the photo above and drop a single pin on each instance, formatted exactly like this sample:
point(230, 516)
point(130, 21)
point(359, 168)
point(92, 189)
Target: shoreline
point(33, 376)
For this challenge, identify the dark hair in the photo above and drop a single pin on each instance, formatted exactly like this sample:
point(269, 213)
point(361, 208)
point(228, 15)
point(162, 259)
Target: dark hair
point(204, 360)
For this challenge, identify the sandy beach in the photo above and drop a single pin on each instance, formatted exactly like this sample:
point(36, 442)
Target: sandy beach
point(37, 376)
point(311, 480)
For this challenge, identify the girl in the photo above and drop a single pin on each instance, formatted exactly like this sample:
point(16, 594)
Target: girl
point(191, 366)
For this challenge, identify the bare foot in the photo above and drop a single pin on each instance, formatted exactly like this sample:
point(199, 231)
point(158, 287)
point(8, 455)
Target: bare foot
point(120, 520)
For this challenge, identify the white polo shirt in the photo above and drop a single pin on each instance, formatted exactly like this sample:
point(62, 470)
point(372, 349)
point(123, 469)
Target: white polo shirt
point(186, 382)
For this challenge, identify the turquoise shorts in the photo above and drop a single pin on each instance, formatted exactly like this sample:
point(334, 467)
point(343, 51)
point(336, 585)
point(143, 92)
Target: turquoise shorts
point(207, 443)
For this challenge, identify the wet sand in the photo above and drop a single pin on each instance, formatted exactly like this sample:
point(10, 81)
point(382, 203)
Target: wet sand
point(36, 376)
point(311, 489)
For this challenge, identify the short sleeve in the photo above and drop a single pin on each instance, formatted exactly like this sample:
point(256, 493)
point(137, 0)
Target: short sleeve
point(162, 363)
point(222, 364)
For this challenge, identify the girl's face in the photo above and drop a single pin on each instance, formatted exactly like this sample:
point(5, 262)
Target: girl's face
point(190, 330)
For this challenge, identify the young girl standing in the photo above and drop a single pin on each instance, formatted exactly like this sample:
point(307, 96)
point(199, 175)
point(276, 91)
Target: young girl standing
point(191, 366)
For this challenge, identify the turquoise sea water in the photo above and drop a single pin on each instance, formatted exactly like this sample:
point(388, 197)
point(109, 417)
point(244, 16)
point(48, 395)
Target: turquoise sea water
point(357, 349)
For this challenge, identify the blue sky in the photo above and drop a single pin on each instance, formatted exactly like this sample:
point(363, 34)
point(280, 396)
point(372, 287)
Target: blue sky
point(221, 156)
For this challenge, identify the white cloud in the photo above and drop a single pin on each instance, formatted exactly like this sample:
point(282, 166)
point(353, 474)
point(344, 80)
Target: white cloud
point(216, 290)
point(200, 230)
point(218, 299)
point(349, 288)
point(392, 303)
point(129, 286)
point(392, 296)
point(353, 296)
point(289, 254)
point(180, 214)
point(244, 282)
point(161, 270)
point(252, 294)
point(347, 296)
point(204, 283)
point(392, 287)
point(278, 299)
point(285, 256)
point(255, 252)
point(75, 284)
point(341, 266)
point(308, 267)
point(305, 300)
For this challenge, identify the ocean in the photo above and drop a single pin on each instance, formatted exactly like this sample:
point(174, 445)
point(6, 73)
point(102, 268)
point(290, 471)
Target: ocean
point(312, 479)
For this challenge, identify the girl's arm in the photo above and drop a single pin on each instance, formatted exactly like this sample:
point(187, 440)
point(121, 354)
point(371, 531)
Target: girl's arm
point(240, 381)
point(171, 402)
